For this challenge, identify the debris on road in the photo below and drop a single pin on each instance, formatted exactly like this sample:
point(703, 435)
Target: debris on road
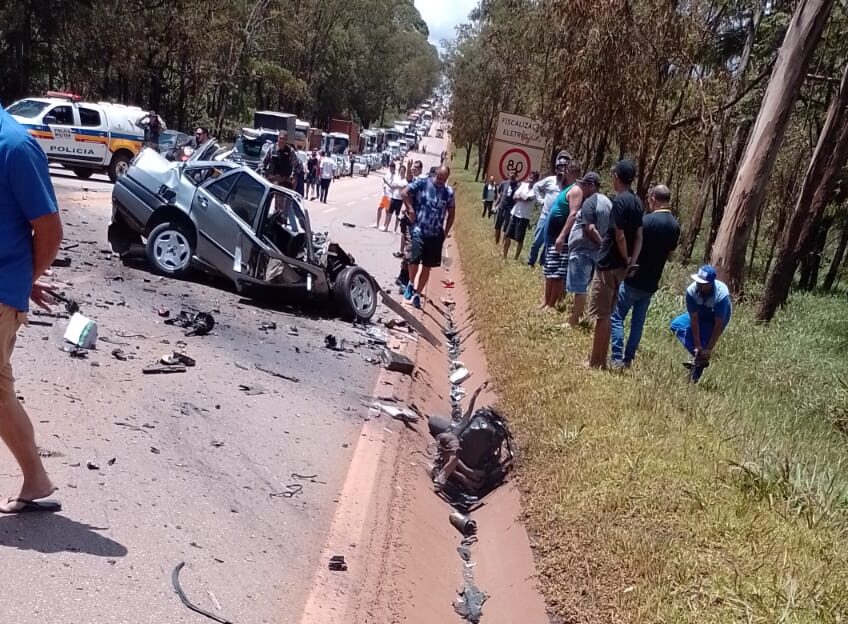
point(398, 362)
point(81, 331)
point(267, 326)
point(350, 225)
point(274, 373)
point(163, 370)
point(176, 358)
point(463, 523)
point(175, 581)
point(252, 389)
point(291, 491)
point(338, 563)
point(119, 354)
point(403, 415)
point(61, 262)
point(71, 306)
point(459, 375)
point(112, 461)
point(198, 324)
point(331, 342)
point(163, 312)
point(91, 465)
point(377, 336)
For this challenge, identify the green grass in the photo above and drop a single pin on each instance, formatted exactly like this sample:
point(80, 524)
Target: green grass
point(650, 500)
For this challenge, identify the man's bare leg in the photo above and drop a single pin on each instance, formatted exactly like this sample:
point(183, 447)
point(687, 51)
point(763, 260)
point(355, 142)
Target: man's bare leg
point(17, 432)
point(519, 247)
point(388, 219)
point(421, 278)
point(506, 242)
point(577, 308)
point(600, 343)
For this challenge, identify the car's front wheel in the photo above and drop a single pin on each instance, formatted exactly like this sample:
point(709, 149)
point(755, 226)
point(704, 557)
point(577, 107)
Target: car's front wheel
point(83, 173)
point(170, 248)
point(355, 293)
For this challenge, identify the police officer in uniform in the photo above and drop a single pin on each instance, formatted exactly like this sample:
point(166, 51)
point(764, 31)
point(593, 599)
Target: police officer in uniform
point(281, 163)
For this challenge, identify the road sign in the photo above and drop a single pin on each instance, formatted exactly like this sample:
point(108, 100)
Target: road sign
point(519, 130)
point(517, 147)
point(506, 159)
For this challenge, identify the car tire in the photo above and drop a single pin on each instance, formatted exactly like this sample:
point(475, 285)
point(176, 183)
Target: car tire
point(83, 173)
point(170, 248)
point(355, 294)
point(118, 165)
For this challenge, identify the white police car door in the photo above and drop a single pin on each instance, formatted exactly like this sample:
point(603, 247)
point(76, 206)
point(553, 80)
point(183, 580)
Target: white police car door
point(92, 135)
point(60, 120)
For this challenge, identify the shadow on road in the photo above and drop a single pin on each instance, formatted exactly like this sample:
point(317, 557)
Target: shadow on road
point(53, 533)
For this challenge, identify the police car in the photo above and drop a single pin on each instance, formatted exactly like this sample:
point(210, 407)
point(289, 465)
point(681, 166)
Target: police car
point(83, 137)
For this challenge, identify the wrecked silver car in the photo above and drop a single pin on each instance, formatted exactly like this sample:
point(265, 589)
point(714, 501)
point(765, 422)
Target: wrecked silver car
point(225, 219)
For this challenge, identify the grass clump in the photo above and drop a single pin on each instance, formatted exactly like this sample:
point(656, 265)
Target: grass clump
point(650, 500)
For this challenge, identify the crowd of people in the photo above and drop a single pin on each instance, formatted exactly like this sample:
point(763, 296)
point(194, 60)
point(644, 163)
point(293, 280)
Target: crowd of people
point(423, 208)
point(607, 253)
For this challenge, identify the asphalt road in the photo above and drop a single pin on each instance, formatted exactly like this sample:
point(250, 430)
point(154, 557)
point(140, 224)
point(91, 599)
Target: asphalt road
point(189, 466)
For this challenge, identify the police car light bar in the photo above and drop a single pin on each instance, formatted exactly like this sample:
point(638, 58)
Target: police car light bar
point(64, 95)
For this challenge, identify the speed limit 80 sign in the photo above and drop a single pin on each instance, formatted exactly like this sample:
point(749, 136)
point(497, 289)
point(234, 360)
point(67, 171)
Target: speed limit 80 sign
point(506, 159)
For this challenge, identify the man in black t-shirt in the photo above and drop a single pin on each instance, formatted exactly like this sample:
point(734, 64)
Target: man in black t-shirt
point(617, 259)
point(660, 235)
point(281, 163)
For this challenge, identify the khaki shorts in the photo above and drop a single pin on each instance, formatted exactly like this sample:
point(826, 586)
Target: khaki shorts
point(10, 321)
point(605, 292)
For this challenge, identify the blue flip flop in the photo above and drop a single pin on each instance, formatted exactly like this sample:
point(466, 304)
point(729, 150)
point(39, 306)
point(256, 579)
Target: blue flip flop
point(42, 505)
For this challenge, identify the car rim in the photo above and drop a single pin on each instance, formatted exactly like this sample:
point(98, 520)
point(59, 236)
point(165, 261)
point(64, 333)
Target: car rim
point(172, 250)
point(362, 294)
point(121, 168)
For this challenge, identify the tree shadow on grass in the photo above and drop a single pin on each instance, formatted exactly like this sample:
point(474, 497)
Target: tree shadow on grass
point(54, 533)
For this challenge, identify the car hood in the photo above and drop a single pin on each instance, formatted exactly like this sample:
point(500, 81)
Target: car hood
point(152, 170)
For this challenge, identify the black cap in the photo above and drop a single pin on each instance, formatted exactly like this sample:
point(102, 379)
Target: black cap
point(590, 178)
point(625, 171)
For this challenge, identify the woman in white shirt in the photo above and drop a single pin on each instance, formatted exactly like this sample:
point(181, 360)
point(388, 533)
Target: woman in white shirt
point(519, 219)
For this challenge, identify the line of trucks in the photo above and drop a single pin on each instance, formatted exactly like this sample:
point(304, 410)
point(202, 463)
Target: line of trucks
point(104, 137)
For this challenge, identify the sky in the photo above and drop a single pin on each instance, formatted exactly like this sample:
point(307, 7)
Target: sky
point(442, 15)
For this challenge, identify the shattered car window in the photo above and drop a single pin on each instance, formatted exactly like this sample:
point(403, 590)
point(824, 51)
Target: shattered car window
point(200, 175)
point(246, 197)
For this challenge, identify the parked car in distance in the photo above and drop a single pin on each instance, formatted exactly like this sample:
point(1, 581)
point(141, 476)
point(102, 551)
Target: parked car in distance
point(361, 166)
point(224, 218)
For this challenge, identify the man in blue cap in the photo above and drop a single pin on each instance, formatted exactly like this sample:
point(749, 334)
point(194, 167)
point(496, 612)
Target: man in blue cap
point(708, 310)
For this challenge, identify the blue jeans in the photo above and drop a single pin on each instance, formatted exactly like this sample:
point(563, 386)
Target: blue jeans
point(639, 300)
point(538, 245)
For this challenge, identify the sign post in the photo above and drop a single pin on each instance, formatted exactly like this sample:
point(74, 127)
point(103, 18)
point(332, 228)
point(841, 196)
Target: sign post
point(517, 147)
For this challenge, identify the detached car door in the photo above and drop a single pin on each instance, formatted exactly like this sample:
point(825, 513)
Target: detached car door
point(222, 208)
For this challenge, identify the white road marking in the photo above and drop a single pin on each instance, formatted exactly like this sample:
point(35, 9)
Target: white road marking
point(329, 210)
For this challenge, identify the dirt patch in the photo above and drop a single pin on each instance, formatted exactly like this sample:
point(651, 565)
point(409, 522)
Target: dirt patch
point(415, 570)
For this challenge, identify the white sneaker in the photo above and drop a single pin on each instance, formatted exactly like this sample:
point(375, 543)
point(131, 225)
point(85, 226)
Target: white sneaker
point(383, 228)
point(375, 225)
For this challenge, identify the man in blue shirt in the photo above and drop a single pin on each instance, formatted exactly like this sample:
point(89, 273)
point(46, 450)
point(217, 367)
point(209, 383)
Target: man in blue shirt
point(708, 311)
point(30, 235)
point(428, 228)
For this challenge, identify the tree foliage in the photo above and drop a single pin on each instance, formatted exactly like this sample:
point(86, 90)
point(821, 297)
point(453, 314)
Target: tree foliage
point(674, 85)
point(214, 61)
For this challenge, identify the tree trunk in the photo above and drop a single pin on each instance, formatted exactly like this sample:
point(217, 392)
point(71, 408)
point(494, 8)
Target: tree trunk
point(600, 152)
point(766, 138)
point(468, 155)
point(811, 261)
point(756, 238)
point(720, 199)
point(816, 192)
point(711, 165)
point(838, 255)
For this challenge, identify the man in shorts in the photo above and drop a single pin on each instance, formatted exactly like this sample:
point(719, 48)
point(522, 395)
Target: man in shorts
point(547, 190)
point(560, 220)
point(428, 228)
point(519, 219)
point(584, 242)
point(617, 259)
point(505, 203)
point(30, 235)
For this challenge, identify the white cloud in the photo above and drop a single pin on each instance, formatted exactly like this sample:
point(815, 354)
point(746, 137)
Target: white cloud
point(443, 15)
